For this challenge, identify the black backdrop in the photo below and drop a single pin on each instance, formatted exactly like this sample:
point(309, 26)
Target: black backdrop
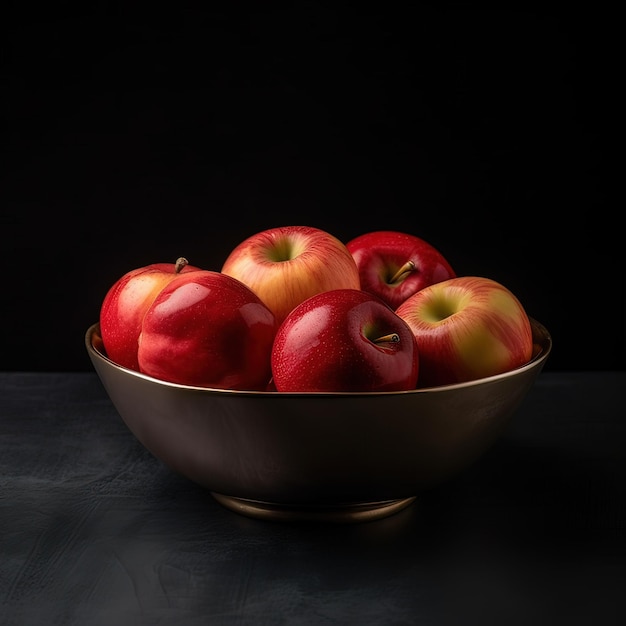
point(136, 136)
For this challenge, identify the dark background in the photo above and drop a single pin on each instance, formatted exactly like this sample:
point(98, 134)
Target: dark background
point(131, 137)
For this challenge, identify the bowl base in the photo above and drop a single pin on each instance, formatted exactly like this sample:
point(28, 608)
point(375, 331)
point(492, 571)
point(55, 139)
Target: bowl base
point(340, 513)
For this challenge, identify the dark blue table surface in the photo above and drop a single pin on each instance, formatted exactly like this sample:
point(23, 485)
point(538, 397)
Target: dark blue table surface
point(94, 531)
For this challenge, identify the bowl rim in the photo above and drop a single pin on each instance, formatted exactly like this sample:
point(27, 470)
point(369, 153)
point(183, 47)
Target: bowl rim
point(542, 342)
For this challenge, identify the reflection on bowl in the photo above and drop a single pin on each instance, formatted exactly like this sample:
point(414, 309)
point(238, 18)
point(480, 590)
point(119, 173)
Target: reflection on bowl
point(316, 456)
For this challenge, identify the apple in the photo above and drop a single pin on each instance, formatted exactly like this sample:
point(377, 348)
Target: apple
point(208, 329)
point(344, 340)
point(467, 327)
point(394, 265)
point(286, 265)
point(126, 303)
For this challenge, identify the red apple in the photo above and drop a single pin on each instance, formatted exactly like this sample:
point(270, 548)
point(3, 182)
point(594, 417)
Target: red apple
point(344, 340)
point(394, 265)
point(466, 328)
point(126, 303)
point(286, 265)
point(208, 329)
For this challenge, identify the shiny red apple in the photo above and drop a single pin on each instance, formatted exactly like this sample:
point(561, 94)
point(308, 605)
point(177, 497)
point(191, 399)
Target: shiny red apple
point(286, 265)
point(466, 328)
point(344, 340)
point(394, 265)
point(208, 329)
point(126, 303)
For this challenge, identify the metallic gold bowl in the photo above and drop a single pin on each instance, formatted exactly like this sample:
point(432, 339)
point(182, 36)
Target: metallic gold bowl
point(316, 456)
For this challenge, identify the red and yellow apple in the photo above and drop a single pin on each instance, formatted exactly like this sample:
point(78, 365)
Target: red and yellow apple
point(394, 265)
point(466, 328)
point(344, 340)
point(286, 265)
point(125, 304)
point(208, 329)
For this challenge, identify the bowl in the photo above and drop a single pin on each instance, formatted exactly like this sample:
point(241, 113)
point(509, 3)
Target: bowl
point(338, 457)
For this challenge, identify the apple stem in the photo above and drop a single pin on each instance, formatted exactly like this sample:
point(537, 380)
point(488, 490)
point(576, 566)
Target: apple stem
point(409, 266)
point(180, 263)
point(391, 338)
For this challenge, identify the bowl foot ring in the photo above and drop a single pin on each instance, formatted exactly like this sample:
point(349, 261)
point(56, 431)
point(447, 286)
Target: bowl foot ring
point(340, 513)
